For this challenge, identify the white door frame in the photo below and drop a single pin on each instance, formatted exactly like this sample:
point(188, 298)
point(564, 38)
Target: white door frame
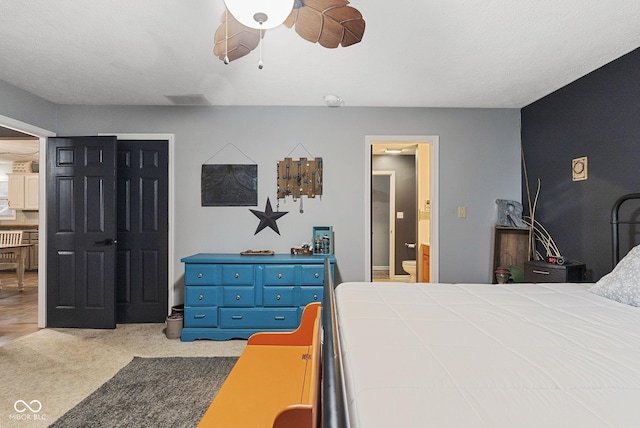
point(392, 223)
point(42, 134)
point(434, 173)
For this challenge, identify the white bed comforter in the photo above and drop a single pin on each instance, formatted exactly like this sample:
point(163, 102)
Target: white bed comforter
point(480, 355)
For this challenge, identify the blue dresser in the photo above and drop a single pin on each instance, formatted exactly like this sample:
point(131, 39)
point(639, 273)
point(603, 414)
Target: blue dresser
point(232, 296)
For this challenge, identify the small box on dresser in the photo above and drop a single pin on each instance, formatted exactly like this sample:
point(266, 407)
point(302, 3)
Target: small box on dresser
point(542, 271)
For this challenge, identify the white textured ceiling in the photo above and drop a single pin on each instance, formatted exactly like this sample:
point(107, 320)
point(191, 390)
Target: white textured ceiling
point(444, 53)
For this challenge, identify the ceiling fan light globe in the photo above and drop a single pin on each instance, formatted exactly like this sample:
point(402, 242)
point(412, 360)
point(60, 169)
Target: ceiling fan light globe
point(260, 14)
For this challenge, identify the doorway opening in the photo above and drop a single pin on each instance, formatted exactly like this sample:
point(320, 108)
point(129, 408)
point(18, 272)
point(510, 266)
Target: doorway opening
point(25, 305)
point(414, 159)
point(383, 208)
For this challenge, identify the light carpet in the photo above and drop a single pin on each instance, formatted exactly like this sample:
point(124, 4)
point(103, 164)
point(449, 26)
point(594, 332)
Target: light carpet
point(61, 367)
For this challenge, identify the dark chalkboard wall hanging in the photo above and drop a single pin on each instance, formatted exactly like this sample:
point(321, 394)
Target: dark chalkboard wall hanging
point(229, 185)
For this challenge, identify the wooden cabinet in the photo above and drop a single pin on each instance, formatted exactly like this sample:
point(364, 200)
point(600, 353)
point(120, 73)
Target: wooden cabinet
point(510, 250)
point(424, 249)
point(24, 191)
point(232, 296)
point(31, 237)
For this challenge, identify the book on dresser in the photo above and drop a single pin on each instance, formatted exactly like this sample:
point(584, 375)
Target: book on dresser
point(228, 296)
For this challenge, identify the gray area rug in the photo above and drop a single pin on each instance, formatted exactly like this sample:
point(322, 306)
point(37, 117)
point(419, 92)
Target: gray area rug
point(153, 392)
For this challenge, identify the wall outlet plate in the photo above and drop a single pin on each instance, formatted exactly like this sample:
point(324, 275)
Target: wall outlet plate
point(579, 169)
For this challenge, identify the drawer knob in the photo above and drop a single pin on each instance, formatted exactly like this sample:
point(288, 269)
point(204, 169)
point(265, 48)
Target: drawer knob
point(315, 297)
point(278, 318)
point(317, 275)
point(200, 297)
point(237, 275)
point(278, 297)
point(279, 275)
point(237, 297)
point(236, 317)
point(199, 316)
point(199, 274)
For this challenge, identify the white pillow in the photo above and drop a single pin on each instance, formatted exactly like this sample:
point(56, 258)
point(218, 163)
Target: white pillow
point(622, 284)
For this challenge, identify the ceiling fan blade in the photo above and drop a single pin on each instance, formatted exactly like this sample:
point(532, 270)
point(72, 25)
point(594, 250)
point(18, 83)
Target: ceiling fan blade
point(352, 22)
point(328, 22)
point(240, 40)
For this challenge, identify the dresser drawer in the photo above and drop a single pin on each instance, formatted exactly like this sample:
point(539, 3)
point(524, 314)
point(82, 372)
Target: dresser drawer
point(201, 317)
point(279, 275)
point(309, 295)
point(541, 271)
point(278, 296)
point(258, 318)
point(312, 275)
point(202, 295)
point(196, 274)
point(237, 274)
point(238, 296)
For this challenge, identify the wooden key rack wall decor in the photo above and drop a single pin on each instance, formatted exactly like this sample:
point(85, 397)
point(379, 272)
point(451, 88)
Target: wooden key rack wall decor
point(297, 178)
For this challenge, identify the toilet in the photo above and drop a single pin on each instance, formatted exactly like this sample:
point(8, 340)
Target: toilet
point(409, 267)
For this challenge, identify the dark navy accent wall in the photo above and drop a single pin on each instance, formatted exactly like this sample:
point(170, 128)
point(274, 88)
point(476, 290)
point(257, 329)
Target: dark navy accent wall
point(597, 116)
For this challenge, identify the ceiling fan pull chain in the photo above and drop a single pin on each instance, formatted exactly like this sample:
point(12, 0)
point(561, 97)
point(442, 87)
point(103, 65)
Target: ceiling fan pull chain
point(226, 36)
point(260, 64)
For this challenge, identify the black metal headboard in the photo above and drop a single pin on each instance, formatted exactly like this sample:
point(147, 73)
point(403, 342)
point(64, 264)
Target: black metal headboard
point(334, 413)
point(615, 224)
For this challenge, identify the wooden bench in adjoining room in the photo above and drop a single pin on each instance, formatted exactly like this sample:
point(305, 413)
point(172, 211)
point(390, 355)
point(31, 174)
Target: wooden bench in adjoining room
point(275, 382)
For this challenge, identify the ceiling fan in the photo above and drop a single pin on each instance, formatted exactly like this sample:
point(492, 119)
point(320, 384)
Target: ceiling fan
point(330, 23)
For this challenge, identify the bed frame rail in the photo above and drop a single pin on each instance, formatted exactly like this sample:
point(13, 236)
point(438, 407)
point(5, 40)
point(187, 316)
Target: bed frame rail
point(334, 413)
point(615, 223)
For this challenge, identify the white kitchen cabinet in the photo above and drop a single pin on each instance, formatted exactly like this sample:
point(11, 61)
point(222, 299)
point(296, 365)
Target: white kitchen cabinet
point(23, 191)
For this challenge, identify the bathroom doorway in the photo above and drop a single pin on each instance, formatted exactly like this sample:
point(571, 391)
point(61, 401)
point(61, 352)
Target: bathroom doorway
point(415, 163)
point(383, 195)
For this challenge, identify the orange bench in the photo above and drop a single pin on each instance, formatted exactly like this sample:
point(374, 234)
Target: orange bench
point(275, 382)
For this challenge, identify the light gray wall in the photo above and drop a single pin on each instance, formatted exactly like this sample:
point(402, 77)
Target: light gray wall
point(25, 107)
point(479, 163)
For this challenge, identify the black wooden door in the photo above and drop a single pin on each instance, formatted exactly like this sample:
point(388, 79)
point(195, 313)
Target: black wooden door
point(142, 224)
point(81, 232)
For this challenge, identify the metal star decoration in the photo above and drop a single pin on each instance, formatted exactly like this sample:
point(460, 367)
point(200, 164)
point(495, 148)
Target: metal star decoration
point(268, 218)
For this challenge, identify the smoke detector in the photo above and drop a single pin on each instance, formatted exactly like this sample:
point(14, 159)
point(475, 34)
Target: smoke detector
point(333, 100)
